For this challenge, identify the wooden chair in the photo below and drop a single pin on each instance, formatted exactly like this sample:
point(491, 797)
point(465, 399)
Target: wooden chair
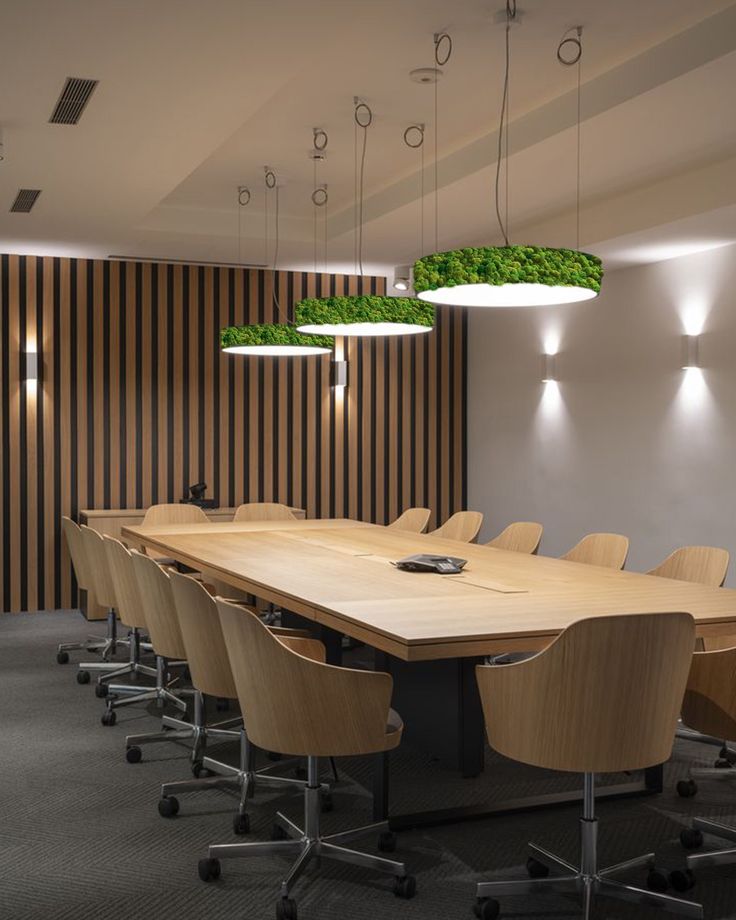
point(605, 549)
point(520, 537)
point(604, 697)
point(209, 665)
point(263, 511)
point(292, 704)
point(174, 513)
point(105, 645)
point(703, 565)
point(132, 605)
point(413, 520)
point(463, 526)
point(709, 707)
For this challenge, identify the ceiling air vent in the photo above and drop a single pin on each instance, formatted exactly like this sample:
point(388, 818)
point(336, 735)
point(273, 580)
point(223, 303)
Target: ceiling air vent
point(72, 101)
point(25, 199)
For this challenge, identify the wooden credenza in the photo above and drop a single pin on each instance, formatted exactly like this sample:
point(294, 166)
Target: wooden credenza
point(110, 520)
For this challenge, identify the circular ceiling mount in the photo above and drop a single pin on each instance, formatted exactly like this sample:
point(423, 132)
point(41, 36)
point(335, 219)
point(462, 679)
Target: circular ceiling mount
point(426, 75)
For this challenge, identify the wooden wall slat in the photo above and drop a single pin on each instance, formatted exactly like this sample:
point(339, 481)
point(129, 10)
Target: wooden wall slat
point(136, 402)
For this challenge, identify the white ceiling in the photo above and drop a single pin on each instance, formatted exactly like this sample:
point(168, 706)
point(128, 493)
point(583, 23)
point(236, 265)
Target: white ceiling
point(195, 98)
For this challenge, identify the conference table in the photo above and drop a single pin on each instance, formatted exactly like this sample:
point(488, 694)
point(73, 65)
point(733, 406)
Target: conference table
point(428, 630)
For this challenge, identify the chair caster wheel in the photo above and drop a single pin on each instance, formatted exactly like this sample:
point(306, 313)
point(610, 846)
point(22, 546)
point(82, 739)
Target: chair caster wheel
point(168, 807)
point(691, 838)
point(241, 824)
point(325, 803)
point(687, 788)
point(536, 869)
point(405, 886)
point(387, 842)
point(199, 770)
point(222, 704)
point(109, 717)
point(83, 677)
point(486, 908)
point(730, 756)
point(723, 764)
point(101, 691)
point(286, 909)
point(133, 754)
point(682, 879)
point(657, 881)
point(209, 869)
point(62, 657)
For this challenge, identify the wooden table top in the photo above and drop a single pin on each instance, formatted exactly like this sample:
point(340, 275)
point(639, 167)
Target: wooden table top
point(339, 573)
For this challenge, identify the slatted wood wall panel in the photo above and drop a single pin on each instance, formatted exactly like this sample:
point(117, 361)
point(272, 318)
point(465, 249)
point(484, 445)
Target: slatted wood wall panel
point(136, 402)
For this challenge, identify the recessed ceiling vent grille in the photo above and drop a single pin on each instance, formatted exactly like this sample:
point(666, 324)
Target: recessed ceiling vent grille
point(72, 101)
point(25, 199)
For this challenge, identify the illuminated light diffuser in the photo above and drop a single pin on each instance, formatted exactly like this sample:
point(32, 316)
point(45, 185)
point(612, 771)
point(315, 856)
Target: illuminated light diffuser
point(690, 352)
point(548, 368)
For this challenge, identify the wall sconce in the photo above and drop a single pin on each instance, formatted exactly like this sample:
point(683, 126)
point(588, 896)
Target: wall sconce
point(339, 373)
point(548, 368)
point(690, 352)
point(30, 367)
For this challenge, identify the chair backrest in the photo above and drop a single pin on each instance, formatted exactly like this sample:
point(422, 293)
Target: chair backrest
point(704, 565)
point(603, 697)
point(607, 549)
point(127, 593)
point(174, 514)
point(294, 705)
point(413, 520)
point(710, 698)
point(520, 537)
point(201, 632)
point(463, 526)
point(77, 551)
point(263, 511)
point(98, 567)
point(159, 609)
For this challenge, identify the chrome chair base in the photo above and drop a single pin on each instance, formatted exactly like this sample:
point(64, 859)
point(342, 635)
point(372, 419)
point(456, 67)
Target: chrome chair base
point(587, 881)
point(133, 693)
point(717, 857)
point(107, 645)
point(241, 780)
point(308, 843)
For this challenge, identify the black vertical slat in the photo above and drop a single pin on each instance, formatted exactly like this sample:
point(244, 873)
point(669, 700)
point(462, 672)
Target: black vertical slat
point(183, 332)
point(374, 428)
point(317, 410)
point(305, 420)
point(56, 344)
point(214, 345)
point(153, 332)
point(428, 502)
point(387, 458)
point(139, 445)
point(5, 537)
point(74, 310)
point(170, 333)
point(123, 382)
point(105, 307)
point(438, 411)
point(288, 448)
point(40, 447)
point(399, 459)
point(413, 420)
point(452, 421)
point(245, 407)
point(231, 280)
point(464, 411)
point(22, 446)
point(358, 421)
point(261, 374)
point(201, 328)
point(91, 395)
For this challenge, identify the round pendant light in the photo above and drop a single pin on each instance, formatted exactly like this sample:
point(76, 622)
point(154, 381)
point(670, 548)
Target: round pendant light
point(507, 276)
point(272, 340)
point(365, 314)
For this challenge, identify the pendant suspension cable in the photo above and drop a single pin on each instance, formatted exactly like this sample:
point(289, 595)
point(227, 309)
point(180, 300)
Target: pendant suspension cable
point(243, 201)
point(270, 184)
point(363, 117)
point(414, 139)
point(503, 125)
point(570, 54)
point(442, 54)
point(319, 194)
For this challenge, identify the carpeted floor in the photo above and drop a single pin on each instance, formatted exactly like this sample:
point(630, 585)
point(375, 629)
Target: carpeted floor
point(81, 837)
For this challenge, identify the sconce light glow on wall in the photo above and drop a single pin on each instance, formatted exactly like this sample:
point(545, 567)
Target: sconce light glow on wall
point(690, 352)
point(548, 368)
point(339, 374)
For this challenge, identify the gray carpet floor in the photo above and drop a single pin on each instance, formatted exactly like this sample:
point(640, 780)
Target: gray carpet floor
point(81, 837)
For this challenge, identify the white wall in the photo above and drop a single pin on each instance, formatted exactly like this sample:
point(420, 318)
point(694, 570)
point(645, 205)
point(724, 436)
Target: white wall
point(626, 440)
